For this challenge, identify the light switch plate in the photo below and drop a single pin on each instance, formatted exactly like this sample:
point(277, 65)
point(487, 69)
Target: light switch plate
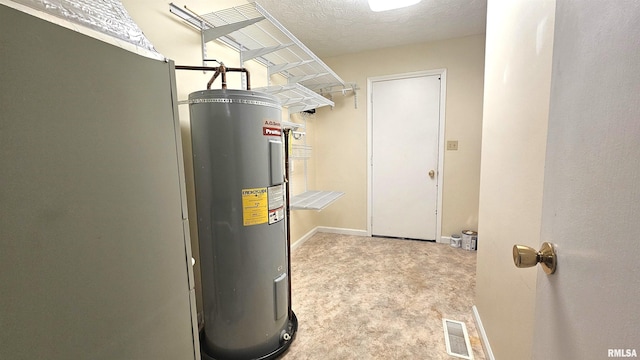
point(452, 145)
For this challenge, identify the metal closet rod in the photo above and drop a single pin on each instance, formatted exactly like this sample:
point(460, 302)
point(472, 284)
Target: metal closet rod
point(219, 71)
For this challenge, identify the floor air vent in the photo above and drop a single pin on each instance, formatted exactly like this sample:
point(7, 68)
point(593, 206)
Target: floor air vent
point(457, 339)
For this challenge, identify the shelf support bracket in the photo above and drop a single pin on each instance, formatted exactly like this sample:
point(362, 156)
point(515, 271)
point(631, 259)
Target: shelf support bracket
point(219, 31)
point(251, 54)
point(186, 16)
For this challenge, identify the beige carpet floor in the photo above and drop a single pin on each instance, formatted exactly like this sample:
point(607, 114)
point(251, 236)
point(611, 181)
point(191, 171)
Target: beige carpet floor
point(377, 298)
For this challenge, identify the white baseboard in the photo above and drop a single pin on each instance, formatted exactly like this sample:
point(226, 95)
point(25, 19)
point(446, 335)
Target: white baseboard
point(304, 238)
point(343, 231)
point(346, 231)
point(488, 353)
point(444, 240)
point(327, 229)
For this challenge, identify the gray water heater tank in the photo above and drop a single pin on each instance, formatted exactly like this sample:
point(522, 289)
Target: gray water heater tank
point(238, 166)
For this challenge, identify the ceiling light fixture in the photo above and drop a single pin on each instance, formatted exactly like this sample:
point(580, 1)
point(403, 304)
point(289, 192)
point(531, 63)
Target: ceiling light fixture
point(384, 5)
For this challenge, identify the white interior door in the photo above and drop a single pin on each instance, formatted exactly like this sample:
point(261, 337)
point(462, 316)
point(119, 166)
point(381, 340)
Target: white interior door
point(405, 125)
point(588, 309)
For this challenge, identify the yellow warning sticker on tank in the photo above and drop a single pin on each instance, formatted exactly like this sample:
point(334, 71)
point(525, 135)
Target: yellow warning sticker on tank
point(255, 206)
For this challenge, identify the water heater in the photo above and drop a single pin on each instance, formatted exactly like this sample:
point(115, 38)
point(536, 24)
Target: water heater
point(238, 161)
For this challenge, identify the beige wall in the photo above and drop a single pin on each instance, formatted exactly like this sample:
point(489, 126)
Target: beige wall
point(180, 42)
point(516, 104)
point(341, 132)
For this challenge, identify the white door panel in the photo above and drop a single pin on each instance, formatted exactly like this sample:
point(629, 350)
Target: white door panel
point(588, 309)
point(405, 124)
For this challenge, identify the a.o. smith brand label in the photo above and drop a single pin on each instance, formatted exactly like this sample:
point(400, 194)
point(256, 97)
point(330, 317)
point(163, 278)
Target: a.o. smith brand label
point(272, 123)
point(271, 128)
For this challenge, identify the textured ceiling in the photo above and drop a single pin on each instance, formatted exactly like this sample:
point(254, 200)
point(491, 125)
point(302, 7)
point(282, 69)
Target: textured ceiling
point(336, 27)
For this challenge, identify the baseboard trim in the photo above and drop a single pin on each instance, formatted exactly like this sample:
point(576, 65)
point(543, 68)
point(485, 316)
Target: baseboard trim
point(445, 240)
point(343, 231)
point(488, 353)
point(326, 229)
point(304, 238)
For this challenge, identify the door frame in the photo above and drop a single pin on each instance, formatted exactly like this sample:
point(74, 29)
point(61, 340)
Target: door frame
point(441, 124)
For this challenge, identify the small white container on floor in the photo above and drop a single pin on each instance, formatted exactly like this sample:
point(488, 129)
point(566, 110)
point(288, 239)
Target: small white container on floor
point(455, 240)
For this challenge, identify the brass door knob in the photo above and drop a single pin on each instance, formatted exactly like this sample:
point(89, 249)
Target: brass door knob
point(432, 173)
point(526, 256)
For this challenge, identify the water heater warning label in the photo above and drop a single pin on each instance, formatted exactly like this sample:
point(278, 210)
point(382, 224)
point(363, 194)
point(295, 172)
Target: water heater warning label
point(276, 203)
point(276, 215)
point(255, 206)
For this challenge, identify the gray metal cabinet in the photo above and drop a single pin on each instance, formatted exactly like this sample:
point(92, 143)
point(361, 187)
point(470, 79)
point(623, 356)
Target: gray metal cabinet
point(93, 237)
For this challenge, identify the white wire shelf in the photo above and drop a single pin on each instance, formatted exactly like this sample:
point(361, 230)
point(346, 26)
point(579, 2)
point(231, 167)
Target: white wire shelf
point(296, 97)
point(255, 34)
point(300, 151)
point(314, 200)
point(296, 127)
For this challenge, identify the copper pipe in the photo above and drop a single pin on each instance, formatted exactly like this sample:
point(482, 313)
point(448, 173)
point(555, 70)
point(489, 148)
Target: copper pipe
point(201, 68)
point(213, 78)
point(287, 195)
point(219, 70)
point(246, 72)
point(223, 71)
